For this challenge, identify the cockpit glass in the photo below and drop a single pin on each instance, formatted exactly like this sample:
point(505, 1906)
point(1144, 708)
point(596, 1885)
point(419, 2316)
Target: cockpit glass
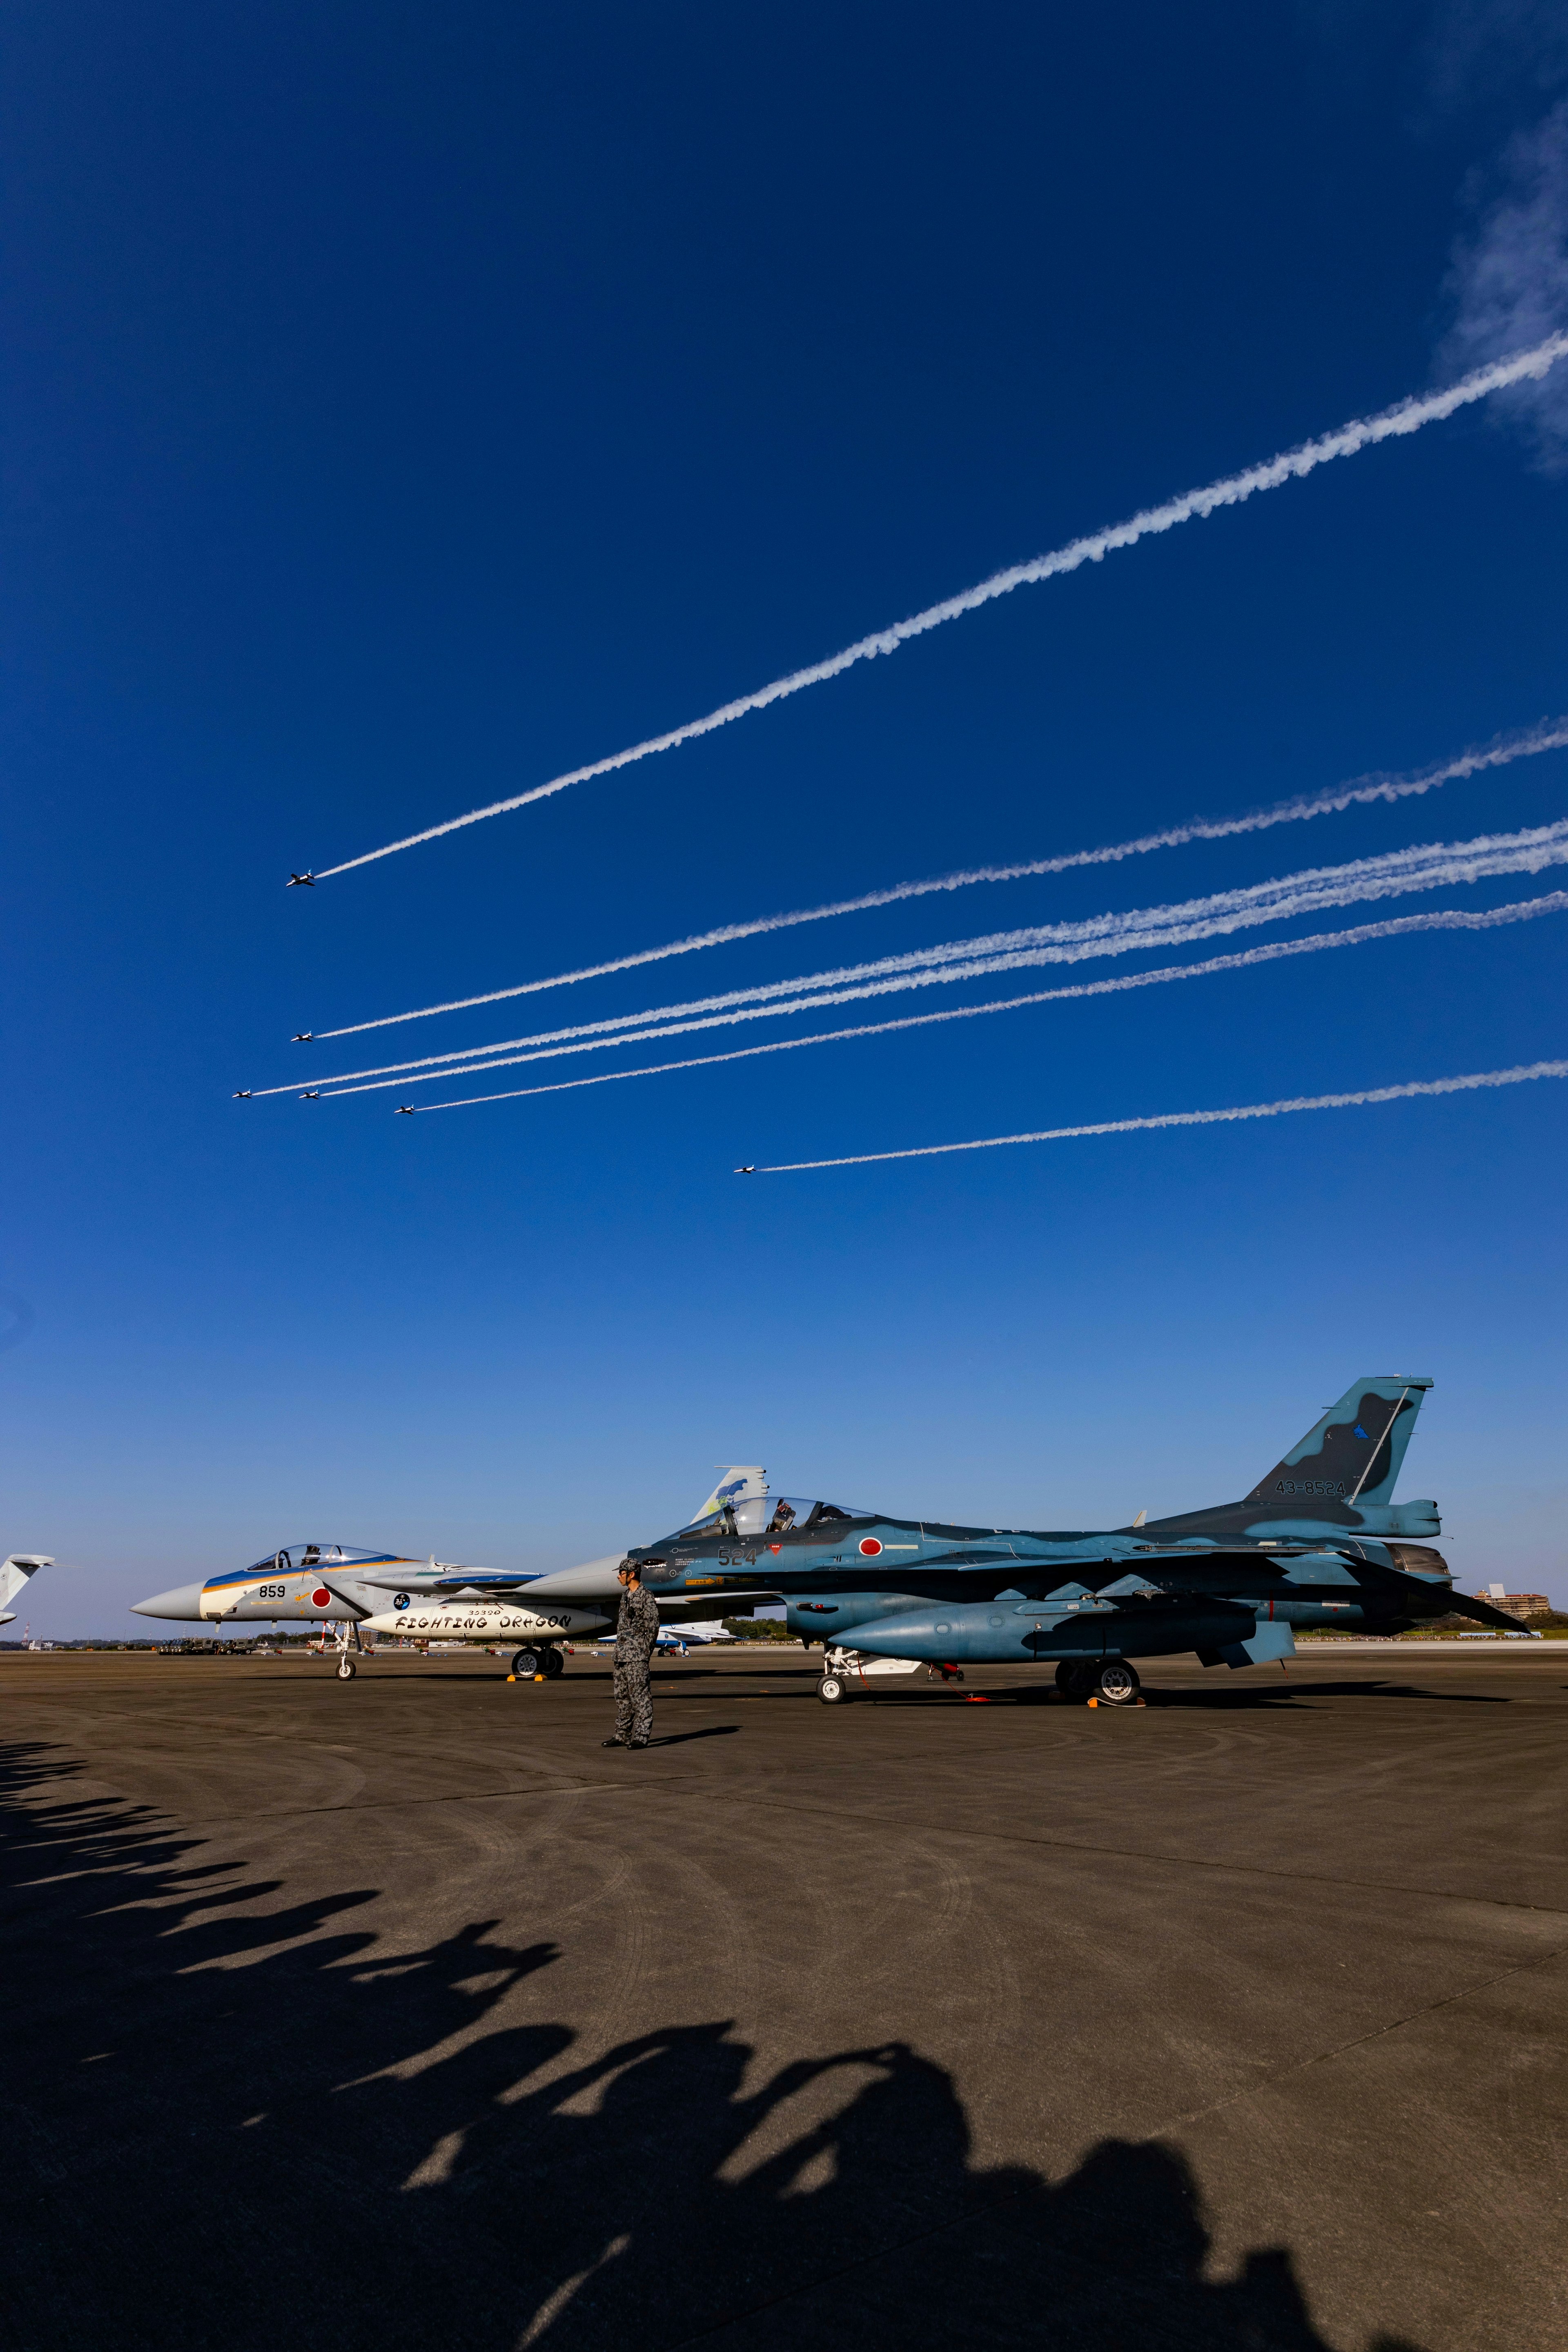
point(319, 1555)
point(771, 1516)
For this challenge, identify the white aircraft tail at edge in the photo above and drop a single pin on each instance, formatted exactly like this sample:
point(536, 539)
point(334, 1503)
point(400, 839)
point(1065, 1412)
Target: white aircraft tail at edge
point(14, 1574)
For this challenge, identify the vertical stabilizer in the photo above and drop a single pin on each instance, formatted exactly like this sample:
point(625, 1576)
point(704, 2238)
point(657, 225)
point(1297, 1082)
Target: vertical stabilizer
point(1352, 1455)
point(738, 1481)
point(14, 1575)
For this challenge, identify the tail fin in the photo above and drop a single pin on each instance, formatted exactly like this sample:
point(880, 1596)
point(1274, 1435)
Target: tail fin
point(735, 1482)
point(1354, 1452)
point(14, 1574)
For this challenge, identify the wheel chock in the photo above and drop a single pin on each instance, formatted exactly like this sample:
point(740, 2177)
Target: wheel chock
point(538, 1678)
point(976, 1698)
point(1092, 1701)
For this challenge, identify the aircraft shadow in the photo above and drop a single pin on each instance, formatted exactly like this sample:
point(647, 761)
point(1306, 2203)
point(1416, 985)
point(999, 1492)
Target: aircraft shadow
point(256, 2132)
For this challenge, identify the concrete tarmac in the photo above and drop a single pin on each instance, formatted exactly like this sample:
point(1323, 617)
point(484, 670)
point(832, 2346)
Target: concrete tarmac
point(398, 2014)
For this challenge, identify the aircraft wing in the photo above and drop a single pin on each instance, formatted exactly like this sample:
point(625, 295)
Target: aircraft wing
point(1462, 1604)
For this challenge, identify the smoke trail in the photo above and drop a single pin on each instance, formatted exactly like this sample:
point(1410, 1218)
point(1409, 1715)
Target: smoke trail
point(1364, 1095)
point(1446, 920)
point(1291, 465)
point(1549, 735)
point(1425, 866)
point(1512, 280)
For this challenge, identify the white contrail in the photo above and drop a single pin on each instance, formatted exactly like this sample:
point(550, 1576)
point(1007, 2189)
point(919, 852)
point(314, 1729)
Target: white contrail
point(1361, 433)
point(1514, 1077)
point(1554, 902)
point(1424, 866)
point(1549, 735)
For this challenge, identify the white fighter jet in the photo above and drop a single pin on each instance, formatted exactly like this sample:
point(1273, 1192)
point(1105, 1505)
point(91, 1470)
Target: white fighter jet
point(349, 1590)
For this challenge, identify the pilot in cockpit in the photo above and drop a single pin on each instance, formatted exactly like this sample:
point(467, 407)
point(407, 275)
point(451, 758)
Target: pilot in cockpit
point(781, 1518)
point(312, 1556)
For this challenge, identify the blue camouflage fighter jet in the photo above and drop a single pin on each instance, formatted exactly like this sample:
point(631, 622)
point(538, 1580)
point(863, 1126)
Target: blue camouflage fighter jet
point(1318, 1541)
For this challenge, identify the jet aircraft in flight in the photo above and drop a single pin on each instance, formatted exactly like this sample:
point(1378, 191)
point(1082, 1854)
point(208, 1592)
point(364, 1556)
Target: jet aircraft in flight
point(300, 882)
point(1318, 1541)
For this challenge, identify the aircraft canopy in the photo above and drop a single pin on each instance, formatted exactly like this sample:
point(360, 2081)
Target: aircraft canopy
point(321, 1555)
point(771, 1515)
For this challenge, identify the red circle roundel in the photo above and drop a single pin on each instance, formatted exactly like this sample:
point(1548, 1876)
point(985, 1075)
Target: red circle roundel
point(320, 1598)
point(870, 1547)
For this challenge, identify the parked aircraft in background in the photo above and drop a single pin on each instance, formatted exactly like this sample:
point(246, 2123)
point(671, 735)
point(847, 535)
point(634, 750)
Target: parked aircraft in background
point(1318, 1541)
point(354, 1589)
point(14, 1575)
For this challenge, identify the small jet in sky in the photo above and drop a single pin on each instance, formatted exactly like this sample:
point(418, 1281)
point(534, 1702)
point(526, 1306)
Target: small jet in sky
point(242, 1093)
point(1318, 1541)
point(745, 1171)
point(405, 1110)
point(302, 1036)
point(311, 1094)
point(300, 881)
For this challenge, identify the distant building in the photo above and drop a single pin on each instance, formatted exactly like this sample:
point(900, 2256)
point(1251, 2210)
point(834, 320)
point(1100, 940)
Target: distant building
point(1517, 1605)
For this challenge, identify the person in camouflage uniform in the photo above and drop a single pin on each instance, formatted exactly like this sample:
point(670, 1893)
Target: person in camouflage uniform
point(636, 1630)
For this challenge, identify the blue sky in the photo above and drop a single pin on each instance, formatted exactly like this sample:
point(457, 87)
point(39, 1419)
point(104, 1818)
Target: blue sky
point(399, 409)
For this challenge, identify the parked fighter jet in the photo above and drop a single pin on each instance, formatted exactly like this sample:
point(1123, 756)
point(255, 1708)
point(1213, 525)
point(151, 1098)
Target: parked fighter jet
point(1317, 1541)
point(346, 1588)
point(300, 881)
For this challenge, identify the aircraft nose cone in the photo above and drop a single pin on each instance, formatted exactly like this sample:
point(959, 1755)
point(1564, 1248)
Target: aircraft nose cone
point(180, 1600)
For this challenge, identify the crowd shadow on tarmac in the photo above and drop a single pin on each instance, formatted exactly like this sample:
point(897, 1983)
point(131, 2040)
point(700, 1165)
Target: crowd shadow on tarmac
point(247, 2129)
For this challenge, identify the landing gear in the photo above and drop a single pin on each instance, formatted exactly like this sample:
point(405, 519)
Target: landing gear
point(348, 1641)
point(1116, 1685)
point(1112, 1681)
point(833, 1690)
point(552, 1662)
point(525, 1665)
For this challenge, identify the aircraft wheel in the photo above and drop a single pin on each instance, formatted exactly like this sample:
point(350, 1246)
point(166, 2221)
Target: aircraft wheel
point(553, 1662)
point(1077, 1678)
point(833, 1690)
point(345, 1670)
point(525, 1665)
point(1116, 1685)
